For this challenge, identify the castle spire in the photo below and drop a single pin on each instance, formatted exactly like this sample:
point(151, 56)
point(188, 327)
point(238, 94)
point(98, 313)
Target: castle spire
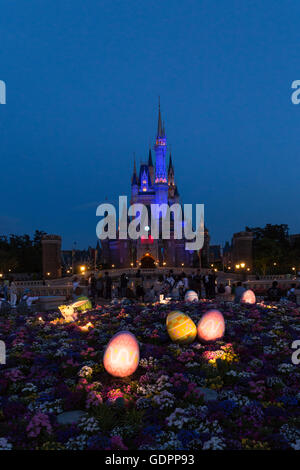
point(150, 163)
point(170, 163)
point(159, 125)
point(134, 176)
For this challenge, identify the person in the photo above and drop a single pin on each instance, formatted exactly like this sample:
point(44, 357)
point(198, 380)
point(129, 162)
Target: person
point(75, 284)
point(158, 286)
point(185, 282)
point(107, 285)
point(140, 292)
point(239, 292)
point(5, 288)
point(228, 290)
point(114, 291)
point(28, 298)
point(123, 284)
point(150, 295)
point(170, 279)
point(212, 285)
point(291, 293)
point(206, 285)
point(129, 293)
point(274, 293)
point(93, 288)
point(174, 292)
point(13, 293)
point(221, 288)
point(99, 286)
point(197, 280)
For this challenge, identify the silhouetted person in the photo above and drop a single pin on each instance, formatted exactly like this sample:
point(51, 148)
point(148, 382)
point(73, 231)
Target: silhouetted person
point(123, 284)
point(239, 290)
point(274, 293)
point(107, 285)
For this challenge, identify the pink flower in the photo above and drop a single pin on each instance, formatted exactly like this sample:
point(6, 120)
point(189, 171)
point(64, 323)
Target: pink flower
point(116, 442)
point(39, 421)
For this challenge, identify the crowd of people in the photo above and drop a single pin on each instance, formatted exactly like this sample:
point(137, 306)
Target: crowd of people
point(174, 286)
point(170, 285)
point(9, 295)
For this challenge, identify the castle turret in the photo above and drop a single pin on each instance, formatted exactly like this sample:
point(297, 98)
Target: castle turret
point(134, 184)
point(151, 167)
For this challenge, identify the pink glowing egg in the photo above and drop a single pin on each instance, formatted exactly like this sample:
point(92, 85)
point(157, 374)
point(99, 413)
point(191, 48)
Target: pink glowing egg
point(248, 297)
point(122, 355)
point(211, 326)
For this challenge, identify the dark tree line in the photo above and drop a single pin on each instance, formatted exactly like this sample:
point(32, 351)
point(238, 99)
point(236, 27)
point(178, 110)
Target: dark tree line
point(273, 252)
point(20, 253)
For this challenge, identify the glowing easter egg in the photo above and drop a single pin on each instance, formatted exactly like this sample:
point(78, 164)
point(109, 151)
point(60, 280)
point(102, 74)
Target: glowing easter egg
point(191, 296)
point(211, 326)
point(248, 297)
point(122, 355)
point(82, 304)
point(181, 327)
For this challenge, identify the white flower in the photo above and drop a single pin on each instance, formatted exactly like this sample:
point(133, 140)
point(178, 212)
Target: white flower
point(214, 443)
point(164, 400)
point(85, 371)
point(296, 446)
point(178, 418)
point(4, 444)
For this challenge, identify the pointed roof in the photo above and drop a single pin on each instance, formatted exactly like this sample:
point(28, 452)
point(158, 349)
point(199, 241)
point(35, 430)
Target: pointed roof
point(134, 176)
point(160, 130)
point(144, 174)
point(150, 163)
point(170, 164)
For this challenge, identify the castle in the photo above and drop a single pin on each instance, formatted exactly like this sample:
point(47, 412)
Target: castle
point(153, 184)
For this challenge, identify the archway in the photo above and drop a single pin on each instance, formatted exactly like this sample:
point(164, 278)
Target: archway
point(147, 261)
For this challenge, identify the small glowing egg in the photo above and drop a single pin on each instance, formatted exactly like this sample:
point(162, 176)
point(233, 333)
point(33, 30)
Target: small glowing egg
point(191, 296)
point(211, 326)
point(248, 297)
point(181, 327)
point(122, 355)
point(82, 304)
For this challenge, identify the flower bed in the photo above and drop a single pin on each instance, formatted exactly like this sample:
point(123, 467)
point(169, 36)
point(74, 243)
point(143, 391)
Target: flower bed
point(239, 393)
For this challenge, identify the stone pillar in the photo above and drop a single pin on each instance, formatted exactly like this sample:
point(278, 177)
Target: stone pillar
point(51, 248)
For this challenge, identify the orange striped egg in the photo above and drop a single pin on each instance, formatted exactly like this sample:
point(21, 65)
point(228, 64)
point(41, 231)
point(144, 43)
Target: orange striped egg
point(181, 327)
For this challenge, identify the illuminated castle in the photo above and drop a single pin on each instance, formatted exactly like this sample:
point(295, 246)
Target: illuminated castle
point(152, 184)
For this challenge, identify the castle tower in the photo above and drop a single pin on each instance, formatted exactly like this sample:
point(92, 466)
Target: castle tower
point(151, 167)
point(161, 179)
point(51, 252)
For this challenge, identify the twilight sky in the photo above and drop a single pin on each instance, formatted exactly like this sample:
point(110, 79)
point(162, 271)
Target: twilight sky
point(83, 79)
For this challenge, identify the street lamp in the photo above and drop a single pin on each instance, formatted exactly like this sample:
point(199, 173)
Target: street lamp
point(243, 265)
point(82, 269)
point(237, 266)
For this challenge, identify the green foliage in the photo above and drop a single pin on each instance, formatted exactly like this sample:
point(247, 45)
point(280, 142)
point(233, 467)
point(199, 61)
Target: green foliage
point(20, 253)
point(273, 252)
